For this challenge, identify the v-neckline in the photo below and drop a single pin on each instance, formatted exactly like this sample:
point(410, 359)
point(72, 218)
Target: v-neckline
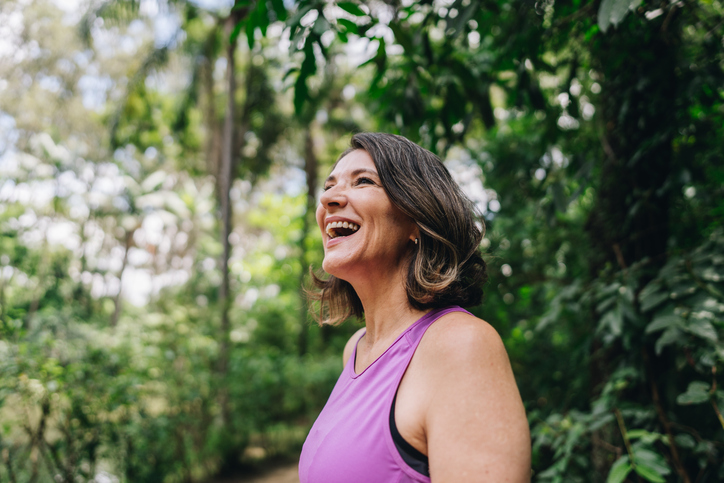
point(353, 366)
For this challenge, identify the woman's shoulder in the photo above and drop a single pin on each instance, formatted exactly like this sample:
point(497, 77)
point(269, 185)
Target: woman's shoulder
point(351, 343)
point(460, 335)
point(459, 348)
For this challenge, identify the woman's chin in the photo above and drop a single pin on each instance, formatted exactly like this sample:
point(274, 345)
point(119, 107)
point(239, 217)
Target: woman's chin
point(338, 268)
point(333, 269)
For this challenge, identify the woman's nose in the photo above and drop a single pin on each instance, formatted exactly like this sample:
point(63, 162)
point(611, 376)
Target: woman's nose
point(333, 197)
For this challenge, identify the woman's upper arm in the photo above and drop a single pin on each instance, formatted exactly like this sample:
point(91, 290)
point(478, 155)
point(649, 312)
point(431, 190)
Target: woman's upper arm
point(349, 347)
point(475, 423)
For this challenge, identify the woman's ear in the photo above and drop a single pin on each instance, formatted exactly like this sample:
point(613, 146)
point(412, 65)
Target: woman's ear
point(415, 236)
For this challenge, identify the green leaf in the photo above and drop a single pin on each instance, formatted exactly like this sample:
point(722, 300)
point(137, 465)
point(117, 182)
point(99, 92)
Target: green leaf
point(649, 473)
point(652, 300)
point(239, 4)
point(279, 10)
point(352, 8)
point(262, 17)
point(235, 33)
point(560, 200)
point(627, 310)
point(619, 470)
point(613, 320)
point(605, 304)
point(683, 290)
point(643, 435)
point(294, 19)
point(671, 335)
point(652, 460)
point(703, 329)
point(300, 94)
point(290, 72)
point(711, 275)
point(309, 67)
point(320, 26)
point(380, 59)
point(349, 25)
point(612, 12)
point(403, 38)
point(664, 322)
point(608, 290)
point(650, 289)
point(696, 393)
point(685, 441)
point(555, 470)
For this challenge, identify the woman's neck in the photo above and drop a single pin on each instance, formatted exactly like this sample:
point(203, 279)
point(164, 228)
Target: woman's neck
point(387, 310)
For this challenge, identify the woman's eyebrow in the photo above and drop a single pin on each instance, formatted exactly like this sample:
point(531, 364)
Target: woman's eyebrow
point(364, 170)
point(332, 178)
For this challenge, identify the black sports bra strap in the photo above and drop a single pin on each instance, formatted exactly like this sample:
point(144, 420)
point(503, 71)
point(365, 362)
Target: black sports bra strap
point(409, 454)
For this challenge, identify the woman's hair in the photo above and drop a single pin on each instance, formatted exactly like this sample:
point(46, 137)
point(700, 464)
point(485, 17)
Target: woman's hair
point(446, 267)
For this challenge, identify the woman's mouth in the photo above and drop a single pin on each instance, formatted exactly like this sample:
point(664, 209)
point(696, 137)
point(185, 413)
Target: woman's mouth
point(338, 229)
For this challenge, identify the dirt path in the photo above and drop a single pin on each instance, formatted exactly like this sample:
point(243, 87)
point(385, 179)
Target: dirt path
point(283, 474)
point(287, 474)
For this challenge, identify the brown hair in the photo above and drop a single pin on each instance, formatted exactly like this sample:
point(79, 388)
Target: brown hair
point(446, 268)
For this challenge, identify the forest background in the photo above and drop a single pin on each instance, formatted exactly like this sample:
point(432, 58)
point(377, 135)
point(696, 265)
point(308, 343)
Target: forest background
point(160, 164)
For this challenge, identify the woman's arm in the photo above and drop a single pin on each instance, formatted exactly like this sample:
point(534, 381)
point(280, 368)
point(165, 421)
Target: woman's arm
point(475, 424)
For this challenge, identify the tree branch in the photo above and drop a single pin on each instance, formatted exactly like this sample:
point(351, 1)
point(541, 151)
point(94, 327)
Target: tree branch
point(9, 465)
point(626, 441)
point(669, 435)
point(665, 423)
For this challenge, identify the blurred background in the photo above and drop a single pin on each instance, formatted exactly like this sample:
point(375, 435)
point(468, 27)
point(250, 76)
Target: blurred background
point(160, 163)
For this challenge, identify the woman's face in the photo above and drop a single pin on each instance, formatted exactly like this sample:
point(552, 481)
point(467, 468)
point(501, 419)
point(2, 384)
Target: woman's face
point(363, 232)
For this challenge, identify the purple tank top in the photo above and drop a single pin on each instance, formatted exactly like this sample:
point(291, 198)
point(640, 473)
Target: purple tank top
point(350, 441)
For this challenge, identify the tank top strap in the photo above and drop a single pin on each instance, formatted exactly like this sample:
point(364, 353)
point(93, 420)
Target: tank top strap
point(417, 330)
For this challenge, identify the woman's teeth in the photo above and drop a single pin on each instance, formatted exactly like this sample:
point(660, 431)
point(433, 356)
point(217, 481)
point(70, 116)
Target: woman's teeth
point(340, 228)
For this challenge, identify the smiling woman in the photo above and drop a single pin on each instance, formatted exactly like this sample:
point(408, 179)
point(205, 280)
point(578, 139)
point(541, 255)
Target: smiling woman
point(427, 392)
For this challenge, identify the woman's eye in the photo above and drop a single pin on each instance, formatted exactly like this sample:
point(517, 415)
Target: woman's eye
point(327, 187)
point(364, 181)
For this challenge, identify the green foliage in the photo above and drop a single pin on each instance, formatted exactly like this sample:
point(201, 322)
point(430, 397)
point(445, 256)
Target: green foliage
point(595, 128)
point(619, 470)
point(690, 312)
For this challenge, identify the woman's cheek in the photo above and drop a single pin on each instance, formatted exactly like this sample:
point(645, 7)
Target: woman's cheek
point(320, 217)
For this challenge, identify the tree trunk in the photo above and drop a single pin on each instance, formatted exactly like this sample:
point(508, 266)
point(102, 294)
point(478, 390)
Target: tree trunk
point(3, 309)
point(226, 171)
point(631, 218)
point(118, 301)
point(310, 168)
point(630, 221)
point(43, 271)
point(212, 125)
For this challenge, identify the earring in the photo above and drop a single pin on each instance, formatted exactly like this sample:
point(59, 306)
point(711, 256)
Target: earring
point(416, 240)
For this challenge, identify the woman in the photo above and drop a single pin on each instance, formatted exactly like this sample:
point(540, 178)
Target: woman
point(427, 392)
